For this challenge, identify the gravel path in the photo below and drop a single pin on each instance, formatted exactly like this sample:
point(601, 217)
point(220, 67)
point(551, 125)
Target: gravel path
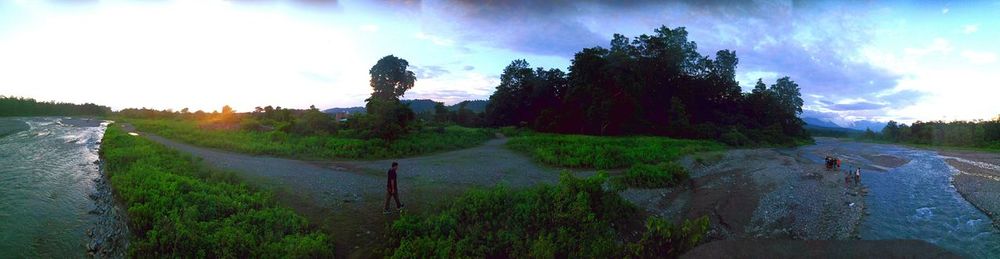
point(346, 197)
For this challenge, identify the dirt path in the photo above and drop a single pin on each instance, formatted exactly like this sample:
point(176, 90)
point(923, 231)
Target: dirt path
point(346, 198)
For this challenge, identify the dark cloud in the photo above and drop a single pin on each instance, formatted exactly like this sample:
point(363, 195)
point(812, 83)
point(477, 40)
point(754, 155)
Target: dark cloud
point(427, 72)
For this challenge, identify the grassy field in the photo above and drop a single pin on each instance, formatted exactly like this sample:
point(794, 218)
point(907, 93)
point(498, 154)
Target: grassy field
point(278, 143)
point(578, 218)
point(649, 160)
point(580, 151)
point(178, 207)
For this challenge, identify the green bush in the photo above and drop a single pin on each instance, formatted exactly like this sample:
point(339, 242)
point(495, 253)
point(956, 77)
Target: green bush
point(654, 176)
point(582, 151)
point(343, 145)
point(735, 138)
point(663, 240)
point(576, 218)
point(179, 208)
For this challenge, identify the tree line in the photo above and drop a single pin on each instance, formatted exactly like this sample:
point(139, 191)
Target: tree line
point(649, 85)
point(19, 106)
point(977, 133)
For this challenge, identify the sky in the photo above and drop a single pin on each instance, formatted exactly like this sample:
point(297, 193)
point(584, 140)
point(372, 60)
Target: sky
point(859, 60)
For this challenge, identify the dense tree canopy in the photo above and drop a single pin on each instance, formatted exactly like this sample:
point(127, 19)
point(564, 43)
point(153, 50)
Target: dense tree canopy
point(981, 133)
point(390, 79)
point(16, 106)
point(652, 84)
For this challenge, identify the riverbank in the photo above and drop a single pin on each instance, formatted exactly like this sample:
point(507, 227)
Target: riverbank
point(978, 180)
point(819, 249)
point(762, 194)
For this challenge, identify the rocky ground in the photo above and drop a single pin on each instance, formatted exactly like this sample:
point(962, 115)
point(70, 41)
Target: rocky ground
point(761, 194)
point(819, 249)
point(978, 180)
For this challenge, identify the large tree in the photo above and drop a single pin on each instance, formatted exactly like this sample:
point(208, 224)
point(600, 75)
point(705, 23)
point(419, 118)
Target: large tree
point(388, 118)
point(390, 79)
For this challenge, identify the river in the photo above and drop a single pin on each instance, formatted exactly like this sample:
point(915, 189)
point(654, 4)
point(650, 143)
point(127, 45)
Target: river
point(54, 202)
point(918, 201)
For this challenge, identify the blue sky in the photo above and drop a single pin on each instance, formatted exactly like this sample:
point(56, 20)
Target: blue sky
point(860, 60)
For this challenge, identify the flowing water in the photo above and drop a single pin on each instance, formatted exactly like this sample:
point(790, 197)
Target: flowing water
point(918, 201)
point(54, 202)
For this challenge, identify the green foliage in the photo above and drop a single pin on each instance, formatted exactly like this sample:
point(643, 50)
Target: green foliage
point(664, 240)
point(606, 152)
point(578, 218)
point(735, 138)
point(655, 84)
point(16, 106)
point(387, 117)
point(654, 176)
point(341, 145)
point(975, 134)
point(177, 207)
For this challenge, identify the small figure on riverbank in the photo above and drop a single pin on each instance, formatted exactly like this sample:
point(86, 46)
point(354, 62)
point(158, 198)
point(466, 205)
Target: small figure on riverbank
point(857, 176)
point(391, 189)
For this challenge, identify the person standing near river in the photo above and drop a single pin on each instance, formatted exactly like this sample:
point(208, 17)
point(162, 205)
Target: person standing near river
point(392, 190)
point(857, 176)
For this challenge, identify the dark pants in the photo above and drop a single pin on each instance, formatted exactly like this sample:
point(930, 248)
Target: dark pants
point(395, 195)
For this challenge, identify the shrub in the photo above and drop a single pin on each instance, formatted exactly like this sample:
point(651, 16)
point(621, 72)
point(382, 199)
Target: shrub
point(576, 218)
point(605, 152)
point(179, 208)
point(735, 138)
point(572, 219)
point(663, 240)
point(654, 176)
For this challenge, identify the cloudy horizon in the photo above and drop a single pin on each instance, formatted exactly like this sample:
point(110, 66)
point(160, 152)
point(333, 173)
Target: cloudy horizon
point(902, 61)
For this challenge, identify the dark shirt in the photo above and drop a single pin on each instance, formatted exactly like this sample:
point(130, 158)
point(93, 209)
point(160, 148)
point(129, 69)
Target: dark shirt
point(392, 178)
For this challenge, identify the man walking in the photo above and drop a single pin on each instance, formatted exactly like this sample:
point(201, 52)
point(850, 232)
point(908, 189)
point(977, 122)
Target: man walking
point(391, 189)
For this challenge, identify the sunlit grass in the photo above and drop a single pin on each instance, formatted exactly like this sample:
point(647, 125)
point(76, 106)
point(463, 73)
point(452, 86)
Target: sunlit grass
point(278, 143)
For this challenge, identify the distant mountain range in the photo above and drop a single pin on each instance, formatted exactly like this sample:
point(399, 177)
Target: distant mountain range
point(420, 106)
point(861, 125)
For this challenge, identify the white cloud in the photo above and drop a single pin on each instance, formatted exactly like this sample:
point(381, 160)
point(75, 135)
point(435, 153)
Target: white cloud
point(369, 28)
point(939, 45)
point(970, 28)
point(980, 57)
point(945, 11)
point(435, 39)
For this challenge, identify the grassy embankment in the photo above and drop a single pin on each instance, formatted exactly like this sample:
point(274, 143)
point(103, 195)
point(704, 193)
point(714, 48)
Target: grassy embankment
point(578, 218)
point(282, 144)
point(178, 207)
point(649, 160)
point(575, 218)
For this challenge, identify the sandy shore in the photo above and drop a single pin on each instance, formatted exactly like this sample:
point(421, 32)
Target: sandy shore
point(978, 180)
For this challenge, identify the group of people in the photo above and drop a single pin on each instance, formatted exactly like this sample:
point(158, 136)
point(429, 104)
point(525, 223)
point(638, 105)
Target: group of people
point(833, 162)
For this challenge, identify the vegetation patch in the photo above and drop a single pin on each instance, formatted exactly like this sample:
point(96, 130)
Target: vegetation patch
point(576, 218)
point(179, 208)
point(606, 152)
point(653, 176)
point(340, 145)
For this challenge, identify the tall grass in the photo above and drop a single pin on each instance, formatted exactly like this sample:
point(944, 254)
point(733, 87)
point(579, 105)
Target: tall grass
point(581, 151)
point(278, 143)
point(578, 218)
point(179, 208)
